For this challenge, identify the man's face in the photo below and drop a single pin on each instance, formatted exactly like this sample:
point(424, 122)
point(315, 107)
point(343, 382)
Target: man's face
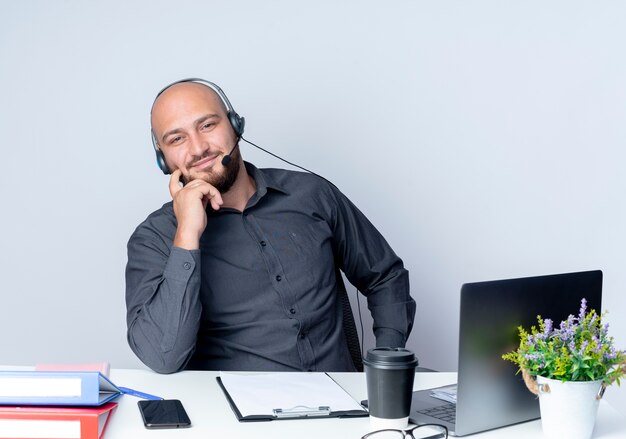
point(193, 131)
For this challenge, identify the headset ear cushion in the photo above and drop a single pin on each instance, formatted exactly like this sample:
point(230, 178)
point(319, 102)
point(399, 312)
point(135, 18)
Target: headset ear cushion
point(237, 122)
point(160, 158)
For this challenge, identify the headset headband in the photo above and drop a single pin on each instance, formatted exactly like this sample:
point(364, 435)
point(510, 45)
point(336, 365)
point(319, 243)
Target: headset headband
point(213, 86)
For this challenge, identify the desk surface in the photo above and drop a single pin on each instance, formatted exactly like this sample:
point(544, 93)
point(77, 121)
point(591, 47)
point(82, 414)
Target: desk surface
point(212, 417)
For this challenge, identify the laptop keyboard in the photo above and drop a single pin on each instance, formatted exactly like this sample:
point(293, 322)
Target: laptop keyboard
point(446, 412)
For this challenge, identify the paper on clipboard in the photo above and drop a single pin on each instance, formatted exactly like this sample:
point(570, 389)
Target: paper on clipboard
point(257, 394)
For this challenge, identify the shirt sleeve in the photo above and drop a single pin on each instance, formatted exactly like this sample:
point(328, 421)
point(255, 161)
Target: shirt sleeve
point(162, 300)
point(372, 266)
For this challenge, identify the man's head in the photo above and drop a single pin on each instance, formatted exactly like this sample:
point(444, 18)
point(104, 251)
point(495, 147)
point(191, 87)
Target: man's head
point(191, 127)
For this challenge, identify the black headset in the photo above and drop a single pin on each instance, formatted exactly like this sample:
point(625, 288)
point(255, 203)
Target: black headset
point(237, 122)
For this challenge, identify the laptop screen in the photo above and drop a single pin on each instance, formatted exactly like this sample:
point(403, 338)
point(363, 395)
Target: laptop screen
point(489, 393)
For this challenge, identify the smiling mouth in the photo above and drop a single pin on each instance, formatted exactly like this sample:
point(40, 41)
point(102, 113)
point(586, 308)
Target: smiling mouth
point(204, 163)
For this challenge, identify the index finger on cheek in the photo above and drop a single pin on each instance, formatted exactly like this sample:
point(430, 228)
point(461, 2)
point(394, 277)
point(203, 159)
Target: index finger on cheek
point(175, 182)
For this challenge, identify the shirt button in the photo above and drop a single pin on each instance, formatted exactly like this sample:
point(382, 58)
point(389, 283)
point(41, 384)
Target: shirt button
point(302, 335)
point(186, 265)
point(263, 243)
point(278, 278)
point(292, 310)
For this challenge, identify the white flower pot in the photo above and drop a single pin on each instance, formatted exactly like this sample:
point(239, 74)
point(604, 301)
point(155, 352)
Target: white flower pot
point(568, 409)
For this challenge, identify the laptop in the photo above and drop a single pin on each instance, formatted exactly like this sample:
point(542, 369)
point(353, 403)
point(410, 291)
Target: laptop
point(489, 393)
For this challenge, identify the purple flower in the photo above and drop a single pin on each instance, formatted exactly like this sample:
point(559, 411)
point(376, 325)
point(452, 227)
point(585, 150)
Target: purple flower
point(611, 355)
point(592, 322)
point(572, 347)
point(596, 342)
point(582, 337)
point(583, 309)
point(548, 326)
point(533, 356)
point(566, 332)
point(583, 347)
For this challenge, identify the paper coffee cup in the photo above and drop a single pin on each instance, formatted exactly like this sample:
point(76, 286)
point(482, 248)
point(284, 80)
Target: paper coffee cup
point(390, 373)
point(383, 424)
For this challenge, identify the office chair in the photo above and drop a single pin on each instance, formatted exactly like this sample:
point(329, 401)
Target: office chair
point(349, 326)
point(350, 332)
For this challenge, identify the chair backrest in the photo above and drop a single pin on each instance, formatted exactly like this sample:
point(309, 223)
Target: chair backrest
point(349, 326)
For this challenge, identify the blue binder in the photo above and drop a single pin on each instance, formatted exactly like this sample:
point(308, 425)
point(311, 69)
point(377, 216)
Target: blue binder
point(56, 388)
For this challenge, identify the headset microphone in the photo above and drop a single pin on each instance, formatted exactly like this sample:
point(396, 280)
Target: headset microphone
point(227, 158)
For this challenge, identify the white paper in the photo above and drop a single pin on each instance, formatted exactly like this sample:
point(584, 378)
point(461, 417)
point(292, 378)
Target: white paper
point(15, 386)
point(32, 428)
point(447, 393)
point(261, 393)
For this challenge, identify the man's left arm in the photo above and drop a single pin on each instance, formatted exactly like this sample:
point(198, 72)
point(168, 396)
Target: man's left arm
point(372, 266)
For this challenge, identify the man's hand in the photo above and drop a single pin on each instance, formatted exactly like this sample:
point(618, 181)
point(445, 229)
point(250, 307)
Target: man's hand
point(190, 203)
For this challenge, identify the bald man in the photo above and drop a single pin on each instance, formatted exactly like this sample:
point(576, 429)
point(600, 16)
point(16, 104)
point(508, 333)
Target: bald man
point(241, 270)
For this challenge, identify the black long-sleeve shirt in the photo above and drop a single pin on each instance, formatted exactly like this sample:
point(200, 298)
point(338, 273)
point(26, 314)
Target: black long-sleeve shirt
point(261, 293)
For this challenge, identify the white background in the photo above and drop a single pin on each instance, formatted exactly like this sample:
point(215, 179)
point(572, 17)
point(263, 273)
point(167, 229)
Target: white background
point(485, 139)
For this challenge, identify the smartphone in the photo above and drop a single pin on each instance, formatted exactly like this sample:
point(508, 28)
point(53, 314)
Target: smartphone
point(163, 413)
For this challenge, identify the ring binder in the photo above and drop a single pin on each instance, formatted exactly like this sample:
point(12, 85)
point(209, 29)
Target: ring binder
point(301, 411)
point(82, 388)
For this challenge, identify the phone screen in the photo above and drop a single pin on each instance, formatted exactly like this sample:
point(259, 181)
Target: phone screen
point(164, 413)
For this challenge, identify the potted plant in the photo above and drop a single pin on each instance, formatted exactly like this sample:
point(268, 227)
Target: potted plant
point(569, 367)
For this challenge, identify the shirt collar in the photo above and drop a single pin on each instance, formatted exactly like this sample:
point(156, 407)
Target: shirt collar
point(263, 181)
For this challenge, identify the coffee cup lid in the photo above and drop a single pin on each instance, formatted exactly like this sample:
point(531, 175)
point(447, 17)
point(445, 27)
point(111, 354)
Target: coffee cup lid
point(390, 358)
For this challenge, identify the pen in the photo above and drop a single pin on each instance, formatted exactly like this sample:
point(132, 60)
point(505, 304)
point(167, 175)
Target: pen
point(138, 394)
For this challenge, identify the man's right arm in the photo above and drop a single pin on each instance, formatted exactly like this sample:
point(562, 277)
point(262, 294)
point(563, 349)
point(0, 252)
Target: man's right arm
point(163, 278)
point(162, 301)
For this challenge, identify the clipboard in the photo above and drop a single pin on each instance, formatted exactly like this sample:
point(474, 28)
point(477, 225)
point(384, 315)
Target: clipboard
point(257, 397)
